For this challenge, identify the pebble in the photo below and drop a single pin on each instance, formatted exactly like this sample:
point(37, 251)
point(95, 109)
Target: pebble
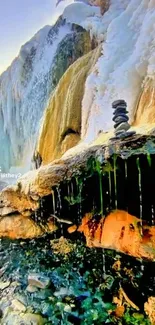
point(122, 135)
point(63, 292)
point(2, 270)
point(14, 317)
point(18, 306)
point(4, 285)
point(38, 280)
point(31, 289)
point(129, 134)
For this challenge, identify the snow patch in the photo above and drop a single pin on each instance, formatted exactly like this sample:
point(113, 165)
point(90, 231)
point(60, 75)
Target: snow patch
point(128, 58)
point(77, 13)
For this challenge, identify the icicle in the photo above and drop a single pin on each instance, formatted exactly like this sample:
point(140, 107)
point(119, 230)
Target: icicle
point(140, 192)
point(115, 180)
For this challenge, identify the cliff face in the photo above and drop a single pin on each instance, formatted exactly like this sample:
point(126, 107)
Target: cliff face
point(28, 83)
point(145, 112)
point(125, 69)
point(61, 125)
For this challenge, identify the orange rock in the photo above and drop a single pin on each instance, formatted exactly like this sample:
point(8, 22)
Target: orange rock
point(149, 308)
point(117, 266)
point(17, 226)
point(72, 229)
point(120, 231)
point(119, 311)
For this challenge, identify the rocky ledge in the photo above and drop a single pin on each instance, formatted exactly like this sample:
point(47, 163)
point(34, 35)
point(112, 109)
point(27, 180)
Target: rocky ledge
point(19, 203)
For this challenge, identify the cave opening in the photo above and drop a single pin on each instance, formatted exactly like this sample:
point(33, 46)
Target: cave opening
point(124, 184)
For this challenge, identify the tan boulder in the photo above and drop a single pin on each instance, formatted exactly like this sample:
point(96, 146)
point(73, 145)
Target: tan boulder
point(17, 226)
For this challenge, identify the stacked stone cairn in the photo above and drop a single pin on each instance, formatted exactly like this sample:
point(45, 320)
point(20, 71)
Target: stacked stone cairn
point(121, 119)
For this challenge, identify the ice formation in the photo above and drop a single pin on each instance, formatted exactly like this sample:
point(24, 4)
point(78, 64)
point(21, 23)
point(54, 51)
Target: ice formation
point(79, 12)
point(24, 92)
point(128, 60)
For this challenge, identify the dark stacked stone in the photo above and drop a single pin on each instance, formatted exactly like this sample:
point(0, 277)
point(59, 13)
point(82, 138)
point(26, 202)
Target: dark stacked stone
point(121, 119)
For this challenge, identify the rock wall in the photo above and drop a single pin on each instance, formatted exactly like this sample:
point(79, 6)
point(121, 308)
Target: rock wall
point(145, 111)
point(61, 125)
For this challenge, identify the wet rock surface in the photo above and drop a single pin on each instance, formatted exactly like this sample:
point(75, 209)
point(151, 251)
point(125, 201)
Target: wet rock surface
point(83, 287)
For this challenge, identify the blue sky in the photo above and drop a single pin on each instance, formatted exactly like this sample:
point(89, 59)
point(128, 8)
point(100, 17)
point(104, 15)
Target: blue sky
point(19, 21)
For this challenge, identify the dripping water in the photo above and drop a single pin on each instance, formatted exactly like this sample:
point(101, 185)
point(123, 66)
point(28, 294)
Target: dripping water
point(79, 191)
point(152, 213)
point(115, 180)
point(103, 262)
point(36, 216)
point(59, 208)
point(110, 191)
point(126, 175)
point(140, 192)
point(54, 210)
point(41, 210)
point(101, 191)
point(141, 207)
point(126, 169)
point(53, 200)
point(152, 207)
point(59, 199)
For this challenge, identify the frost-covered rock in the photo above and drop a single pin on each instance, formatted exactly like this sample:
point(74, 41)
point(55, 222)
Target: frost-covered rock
point(127, 62)
point(26, 86)
point(77, 13)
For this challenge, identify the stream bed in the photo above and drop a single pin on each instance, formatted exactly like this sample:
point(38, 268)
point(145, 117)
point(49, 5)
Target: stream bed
point(79, 285)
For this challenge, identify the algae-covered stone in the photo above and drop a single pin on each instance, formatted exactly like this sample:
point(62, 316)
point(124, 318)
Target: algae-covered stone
point(14, 318)
point(38, 280)
point(4, 285)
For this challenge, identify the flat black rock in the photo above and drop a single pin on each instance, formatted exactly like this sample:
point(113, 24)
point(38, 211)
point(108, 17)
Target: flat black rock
point(119, 102)
point(120, 110)
point(118, 117)
point(120, 120)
